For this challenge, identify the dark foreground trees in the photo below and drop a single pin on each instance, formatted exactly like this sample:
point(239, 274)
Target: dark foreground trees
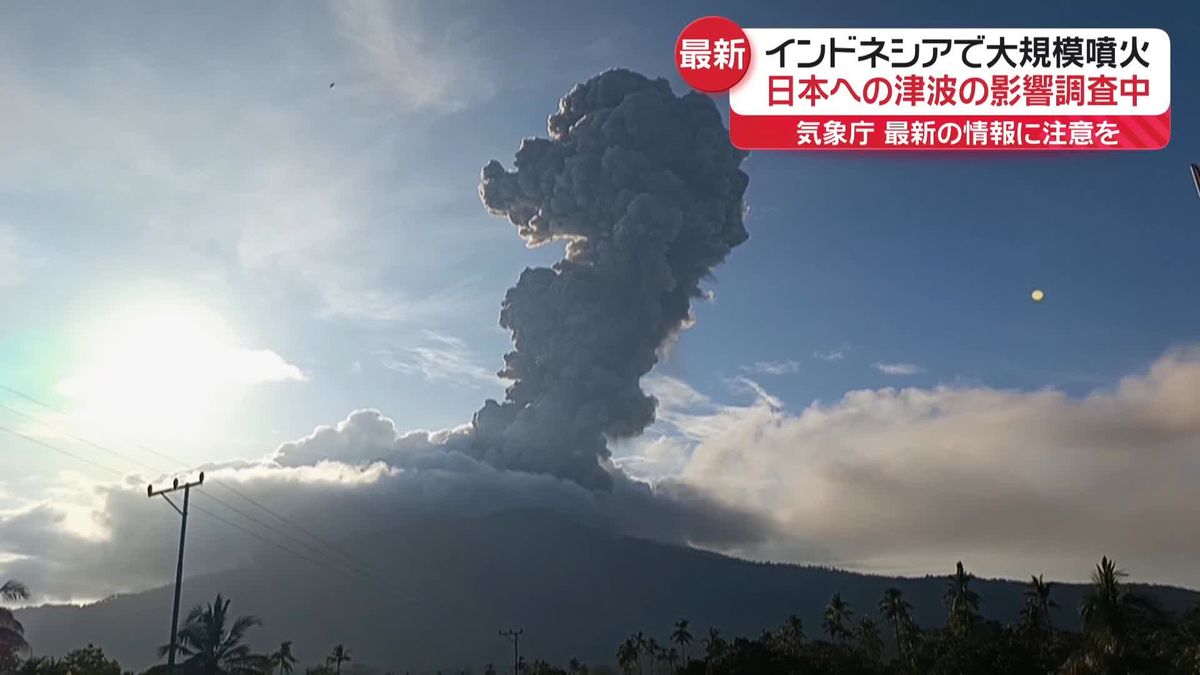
point(281, 661)
point(1120, 633)
point(211, 643)
point(337, 657)
point(89, 660)
point(12, 633)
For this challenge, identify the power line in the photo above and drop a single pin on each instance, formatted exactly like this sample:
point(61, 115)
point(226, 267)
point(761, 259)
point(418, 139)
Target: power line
point(227, 505)
point(306, 531)
point(263, 539)
point(59, 450)
point(336, 568)
point(251, 533)
point(264, 507)
point(27, 397)
point(127, 458)
point(365, 567)
point(280, 532)
point(76, 438)
point(251, 500)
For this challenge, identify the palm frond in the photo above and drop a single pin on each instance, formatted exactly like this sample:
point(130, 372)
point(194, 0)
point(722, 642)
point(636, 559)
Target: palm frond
point(14, 590)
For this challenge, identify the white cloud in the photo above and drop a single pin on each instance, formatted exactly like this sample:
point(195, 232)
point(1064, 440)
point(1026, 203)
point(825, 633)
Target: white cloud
point(772, 367)
point(1014, 482)
point(377, 305)
point(442, 358)
point(425, 67)
point(898, 368)
point(252, 366)
point(835, 354)
point(652, 457)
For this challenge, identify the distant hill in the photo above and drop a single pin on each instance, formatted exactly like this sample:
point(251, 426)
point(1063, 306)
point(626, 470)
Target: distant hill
point(454, 582)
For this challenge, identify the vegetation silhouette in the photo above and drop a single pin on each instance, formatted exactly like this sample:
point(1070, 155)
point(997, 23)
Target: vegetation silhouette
point(282, 660)
point(89, 660)
point(12, 633)
point(211, 645)
point(337, 657)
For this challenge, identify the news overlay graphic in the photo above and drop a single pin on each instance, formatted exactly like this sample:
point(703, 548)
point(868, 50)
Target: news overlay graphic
point(1047, 89)
point(712, 54)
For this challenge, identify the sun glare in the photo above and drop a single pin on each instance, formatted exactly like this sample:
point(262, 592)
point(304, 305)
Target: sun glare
point(165, 370)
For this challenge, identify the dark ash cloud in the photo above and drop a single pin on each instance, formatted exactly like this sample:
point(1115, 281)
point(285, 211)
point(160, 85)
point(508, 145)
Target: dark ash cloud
point(647, 191)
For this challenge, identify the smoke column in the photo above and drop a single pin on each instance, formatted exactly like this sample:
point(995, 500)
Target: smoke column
point(646, 189)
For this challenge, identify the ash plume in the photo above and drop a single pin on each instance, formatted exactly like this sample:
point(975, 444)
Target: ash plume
point(646, 189)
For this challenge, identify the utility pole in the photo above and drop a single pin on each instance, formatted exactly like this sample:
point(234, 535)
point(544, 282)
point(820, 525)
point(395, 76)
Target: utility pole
point(514, 636)
point(187, 491)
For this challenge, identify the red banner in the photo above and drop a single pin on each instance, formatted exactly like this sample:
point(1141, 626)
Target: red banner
point(946, 132)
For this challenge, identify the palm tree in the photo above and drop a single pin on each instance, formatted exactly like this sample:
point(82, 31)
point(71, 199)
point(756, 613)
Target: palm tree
point(639, 640)
point(283, 659)
point(1184, 640)
point(12, 633)
point(895, 610)
point(1038, 604)
point(652, 650)
point(791, 635)
point(337, 657)
point(961, 602)
point(629, 656)
point(36, 665)
point(837, 613)
point(1110, 612)
point(210, 649)
point(869, 643)
point(682, 637)
point(714, 646)
point(668, 657)
point(13, 590)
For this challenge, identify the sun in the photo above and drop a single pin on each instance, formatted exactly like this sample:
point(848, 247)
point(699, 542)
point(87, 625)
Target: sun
point(164, 370)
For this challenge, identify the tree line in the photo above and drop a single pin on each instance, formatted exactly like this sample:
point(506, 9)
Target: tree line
point(210, 642)
point(1118, 632)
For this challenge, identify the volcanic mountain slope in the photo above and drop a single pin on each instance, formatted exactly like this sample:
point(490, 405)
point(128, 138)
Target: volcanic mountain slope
point(445, 585)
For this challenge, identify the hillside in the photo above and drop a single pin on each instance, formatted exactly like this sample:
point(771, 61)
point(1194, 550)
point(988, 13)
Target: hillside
point(452, 583)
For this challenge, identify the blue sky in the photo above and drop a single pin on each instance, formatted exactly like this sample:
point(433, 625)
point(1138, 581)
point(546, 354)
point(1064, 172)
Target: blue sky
point(197, 157)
